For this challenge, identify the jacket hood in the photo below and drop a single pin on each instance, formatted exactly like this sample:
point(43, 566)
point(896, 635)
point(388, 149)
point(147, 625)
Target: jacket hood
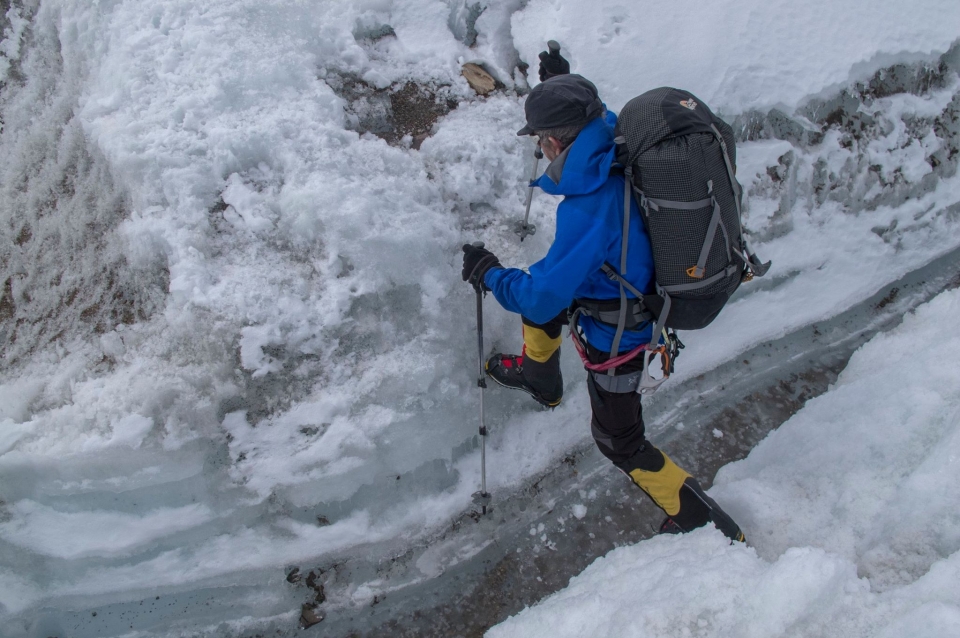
point(585, 165)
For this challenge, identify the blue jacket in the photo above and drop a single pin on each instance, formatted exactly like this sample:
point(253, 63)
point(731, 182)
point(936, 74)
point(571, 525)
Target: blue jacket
point(589, 230)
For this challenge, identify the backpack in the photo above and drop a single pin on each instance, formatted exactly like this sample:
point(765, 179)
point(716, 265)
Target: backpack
point(678, 160)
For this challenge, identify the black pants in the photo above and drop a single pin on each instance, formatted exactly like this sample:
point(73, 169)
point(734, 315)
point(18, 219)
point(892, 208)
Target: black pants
point(553, 328)
point(617, 421)
point(617, 427)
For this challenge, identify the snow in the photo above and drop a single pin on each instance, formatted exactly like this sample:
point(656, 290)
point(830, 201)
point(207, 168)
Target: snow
point(234, 312)
point(852, 526)
point(12, 40)
point(736, 56)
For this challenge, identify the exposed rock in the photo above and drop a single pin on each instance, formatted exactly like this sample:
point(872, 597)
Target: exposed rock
point(309, 616)
point(415, 110)
point(392, 113)
point(314, 583)
point(478, 79)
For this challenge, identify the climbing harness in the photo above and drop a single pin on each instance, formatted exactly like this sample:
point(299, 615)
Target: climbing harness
point(668, 347)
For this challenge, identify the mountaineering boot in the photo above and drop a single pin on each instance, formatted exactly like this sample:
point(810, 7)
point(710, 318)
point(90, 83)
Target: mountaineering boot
point(542, 381)
point(677, 493)
point(720, 519)
point(696, 510)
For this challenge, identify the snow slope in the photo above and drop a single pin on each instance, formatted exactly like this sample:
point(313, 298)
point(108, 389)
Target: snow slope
point(224, 300)
point(849, 510)
point(736, 55)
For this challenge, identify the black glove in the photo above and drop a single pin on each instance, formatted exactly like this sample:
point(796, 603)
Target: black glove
point(552, 63)
point(477, 260)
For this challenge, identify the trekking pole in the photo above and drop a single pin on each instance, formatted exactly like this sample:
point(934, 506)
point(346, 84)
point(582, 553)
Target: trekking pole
point(524, 228)
point(482, 497)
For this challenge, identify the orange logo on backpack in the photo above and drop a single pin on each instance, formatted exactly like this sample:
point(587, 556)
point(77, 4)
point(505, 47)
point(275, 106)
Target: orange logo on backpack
point(690, 104)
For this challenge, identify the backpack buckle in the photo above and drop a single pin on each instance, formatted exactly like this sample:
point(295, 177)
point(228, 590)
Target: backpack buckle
point(695, 271)
point(645, 204)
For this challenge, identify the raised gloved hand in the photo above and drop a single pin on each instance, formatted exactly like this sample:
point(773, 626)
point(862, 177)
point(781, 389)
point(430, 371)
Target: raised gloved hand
point(477, 260)
point(552, 63)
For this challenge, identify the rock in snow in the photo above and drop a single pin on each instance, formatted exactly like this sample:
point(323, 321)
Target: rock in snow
point(478, 79)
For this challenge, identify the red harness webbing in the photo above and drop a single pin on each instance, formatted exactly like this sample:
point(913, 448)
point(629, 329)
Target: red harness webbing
point(609, 363)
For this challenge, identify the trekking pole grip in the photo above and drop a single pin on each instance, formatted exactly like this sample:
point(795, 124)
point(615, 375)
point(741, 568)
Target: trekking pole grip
point(481, 381)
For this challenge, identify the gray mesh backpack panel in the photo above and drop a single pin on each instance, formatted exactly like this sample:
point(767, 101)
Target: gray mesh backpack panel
point(679, 169)
point(673, 148)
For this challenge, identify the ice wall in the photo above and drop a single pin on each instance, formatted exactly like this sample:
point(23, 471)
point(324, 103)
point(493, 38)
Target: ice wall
point(63, 268)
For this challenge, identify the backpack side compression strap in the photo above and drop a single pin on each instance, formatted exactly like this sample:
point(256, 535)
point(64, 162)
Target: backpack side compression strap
point(697, 271)
point(759, 269)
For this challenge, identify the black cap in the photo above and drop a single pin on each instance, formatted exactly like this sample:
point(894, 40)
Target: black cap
point(563, 100)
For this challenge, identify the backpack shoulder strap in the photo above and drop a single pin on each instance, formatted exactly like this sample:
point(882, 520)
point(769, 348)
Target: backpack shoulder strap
point(619, 275)
point(622, 317)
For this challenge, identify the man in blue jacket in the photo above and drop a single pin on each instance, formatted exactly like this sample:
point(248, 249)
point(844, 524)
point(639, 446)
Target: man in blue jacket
point(575, 132)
